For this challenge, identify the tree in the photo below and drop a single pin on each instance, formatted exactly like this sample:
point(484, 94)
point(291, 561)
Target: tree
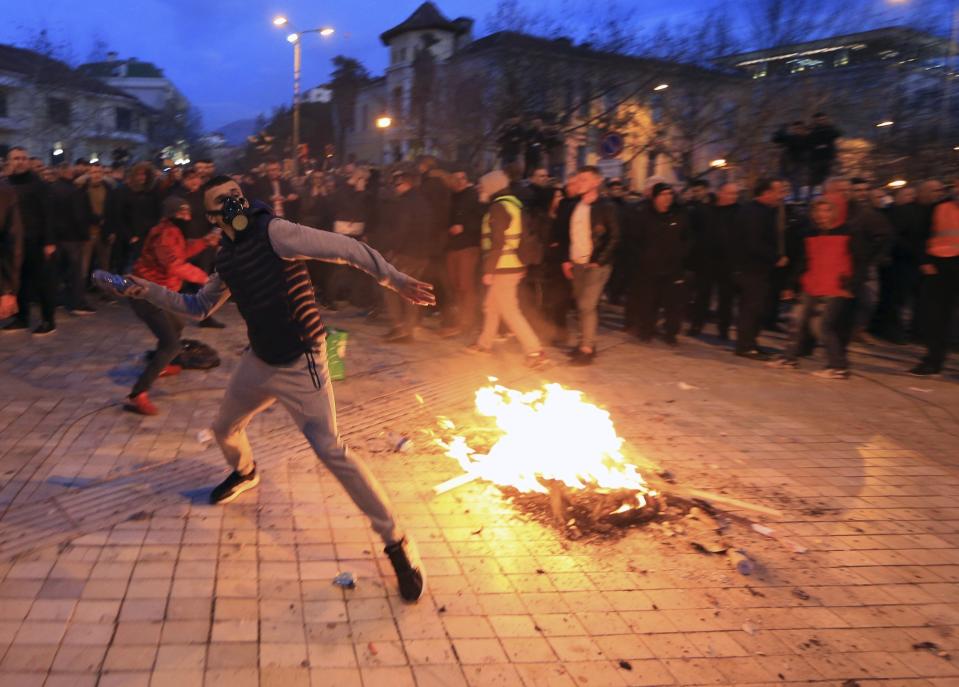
point(421, 95)
point(273, 137)
point(348, 77)
point(179, 128)
point(99, 48)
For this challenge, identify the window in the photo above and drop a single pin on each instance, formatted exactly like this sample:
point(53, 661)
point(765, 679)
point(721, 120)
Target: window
point(841, 59)
point(58, 111)
point(3, 103)
point(124, 119)
point(761, 70)
point(804, 65)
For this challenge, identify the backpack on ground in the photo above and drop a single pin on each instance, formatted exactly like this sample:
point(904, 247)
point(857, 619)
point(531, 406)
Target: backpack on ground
point(196, 355)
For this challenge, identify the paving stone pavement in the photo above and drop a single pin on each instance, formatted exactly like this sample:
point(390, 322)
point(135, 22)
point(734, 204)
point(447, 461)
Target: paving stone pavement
point(114, 572)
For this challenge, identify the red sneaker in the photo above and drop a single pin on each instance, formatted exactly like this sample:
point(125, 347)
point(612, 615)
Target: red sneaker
point(141, 404)
point(171, 371)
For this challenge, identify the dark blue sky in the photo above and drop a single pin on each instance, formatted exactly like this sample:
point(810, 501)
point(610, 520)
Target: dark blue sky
point(226, 56)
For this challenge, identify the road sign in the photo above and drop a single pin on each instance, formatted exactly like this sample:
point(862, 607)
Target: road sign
point(611, 169)
point(611, 145)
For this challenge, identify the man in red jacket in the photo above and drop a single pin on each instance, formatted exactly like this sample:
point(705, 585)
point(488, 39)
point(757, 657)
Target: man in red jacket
point(163, 261)
point(830, 266)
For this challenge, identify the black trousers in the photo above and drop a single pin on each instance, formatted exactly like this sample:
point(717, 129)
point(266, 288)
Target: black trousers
point(708, 281)
point(940, 296)
point(436, 274)
point(74, 278)
point(167, 328)
point(38, 281)
point(753, 289)
point(775, 285)
point(655, 292)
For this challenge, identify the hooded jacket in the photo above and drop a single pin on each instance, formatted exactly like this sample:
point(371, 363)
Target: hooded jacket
point(830, 263)
point(163, 259)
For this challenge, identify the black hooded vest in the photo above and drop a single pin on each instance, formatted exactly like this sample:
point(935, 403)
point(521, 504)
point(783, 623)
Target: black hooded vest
point(274, 296)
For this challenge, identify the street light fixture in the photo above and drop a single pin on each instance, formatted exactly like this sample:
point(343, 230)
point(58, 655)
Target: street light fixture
point(294, 39)
point(896, 183)
point(718, 163)
point(885, 123)
point(383, 122)
point(661, 87)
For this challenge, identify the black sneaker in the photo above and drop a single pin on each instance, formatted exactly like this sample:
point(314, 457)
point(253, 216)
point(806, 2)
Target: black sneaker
point(44, 328)
point(211, 323)
point(234, 485)
point(16, 326)
point(925, 370)
point(409, 573)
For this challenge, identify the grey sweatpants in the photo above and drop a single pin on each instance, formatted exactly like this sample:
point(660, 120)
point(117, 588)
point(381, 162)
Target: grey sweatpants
point(255, 386)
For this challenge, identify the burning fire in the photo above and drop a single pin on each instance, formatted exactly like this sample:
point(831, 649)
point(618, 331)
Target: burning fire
point(546, 436)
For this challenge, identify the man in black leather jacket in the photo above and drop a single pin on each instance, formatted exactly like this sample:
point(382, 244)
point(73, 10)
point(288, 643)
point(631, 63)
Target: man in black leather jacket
point(589, 250)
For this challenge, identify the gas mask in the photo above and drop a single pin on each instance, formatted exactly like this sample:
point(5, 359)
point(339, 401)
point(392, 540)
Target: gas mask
point(234, 212)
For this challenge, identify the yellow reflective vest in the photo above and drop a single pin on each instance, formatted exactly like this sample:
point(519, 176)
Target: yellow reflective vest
point(509, 256)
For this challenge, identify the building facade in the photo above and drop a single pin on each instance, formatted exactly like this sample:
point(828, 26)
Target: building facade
point(59, 114)
point(464, 99)
point(891, 92)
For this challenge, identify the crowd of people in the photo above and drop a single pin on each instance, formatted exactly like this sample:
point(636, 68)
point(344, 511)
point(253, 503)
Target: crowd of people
point(513, 252)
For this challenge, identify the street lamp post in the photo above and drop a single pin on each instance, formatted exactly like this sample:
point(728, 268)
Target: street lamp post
point(383, 122)
point(296, 39)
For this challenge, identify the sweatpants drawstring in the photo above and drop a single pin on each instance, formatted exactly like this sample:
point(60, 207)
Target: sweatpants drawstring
point(314, 374)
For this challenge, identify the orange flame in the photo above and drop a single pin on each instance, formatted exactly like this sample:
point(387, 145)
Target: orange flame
point(547, 434)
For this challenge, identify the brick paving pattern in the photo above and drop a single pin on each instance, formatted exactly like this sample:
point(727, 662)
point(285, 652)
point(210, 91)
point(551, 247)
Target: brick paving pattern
point(115, 572)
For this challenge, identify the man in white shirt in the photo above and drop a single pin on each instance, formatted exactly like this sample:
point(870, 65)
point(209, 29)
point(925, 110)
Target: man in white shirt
point(593, 239)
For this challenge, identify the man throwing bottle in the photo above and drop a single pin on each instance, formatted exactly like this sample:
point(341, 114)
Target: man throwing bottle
point(261, 264)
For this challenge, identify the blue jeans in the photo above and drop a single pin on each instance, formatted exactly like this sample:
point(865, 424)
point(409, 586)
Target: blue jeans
point(834, 328)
